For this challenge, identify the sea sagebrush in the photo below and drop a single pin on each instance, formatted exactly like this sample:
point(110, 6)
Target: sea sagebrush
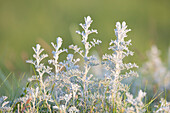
point(67, 87)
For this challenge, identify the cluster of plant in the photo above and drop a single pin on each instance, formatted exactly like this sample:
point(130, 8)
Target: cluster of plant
point(157, 71)
point(67, 87)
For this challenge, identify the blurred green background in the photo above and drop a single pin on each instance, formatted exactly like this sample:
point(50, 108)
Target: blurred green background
point(23, 23)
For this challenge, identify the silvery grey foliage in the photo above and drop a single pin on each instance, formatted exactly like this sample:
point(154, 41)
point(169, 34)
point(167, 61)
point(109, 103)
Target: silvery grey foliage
point(56, 54)
point(85, 78)
point(156, 70)
point(115, 64)
point(66, 87)
point(4, 105)
point(164, 107)
point(42, 90)
point(37, 95)
point(137, 104)
point(73, 110)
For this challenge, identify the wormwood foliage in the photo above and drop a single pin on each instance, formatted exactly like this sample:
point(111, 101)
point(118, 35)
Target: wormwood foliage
point(66, 87)
point(156, 68)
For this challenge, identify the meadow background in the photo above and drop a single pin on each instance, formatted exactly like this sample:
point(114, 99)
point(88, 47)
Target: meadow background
point(23, 23)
